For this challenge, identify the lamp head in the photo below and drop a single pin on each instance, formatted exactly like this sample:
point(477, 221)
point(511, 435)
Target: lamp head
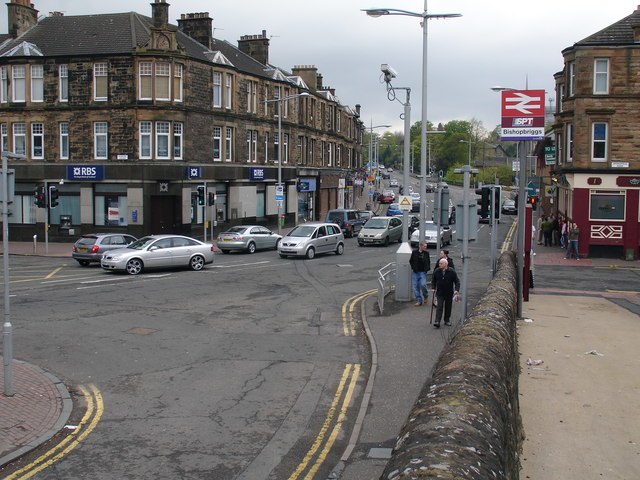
point(376, 12)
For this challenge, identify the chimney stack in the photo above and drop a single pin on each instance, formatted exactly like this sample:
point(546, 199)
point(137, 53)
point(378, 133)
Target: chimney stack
point(308, 73)
point(198, 26)
point(160, 13)
point(256, 46)
point(21, 16)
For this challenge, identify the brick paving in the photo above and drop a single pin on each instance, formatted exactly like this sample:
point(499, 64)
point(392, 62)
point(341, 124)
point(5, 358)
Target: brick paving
point(34, 409)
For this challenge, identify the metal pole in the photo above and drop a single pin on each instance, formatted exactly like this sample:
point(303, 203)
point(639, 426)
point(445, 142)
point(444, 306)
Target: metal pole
point(279, 202)
point(522, 202)
point(405, 179)
point(465, 242)
point(7, 329)
point(370, 186)
point(494, 230)
point(204, 214)
point(46, 218)
point(423, 130)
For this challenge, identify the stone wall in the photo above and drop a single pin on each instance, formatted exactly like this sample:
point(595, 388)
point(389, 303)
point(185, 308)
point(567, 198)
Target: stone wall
point(466, 422)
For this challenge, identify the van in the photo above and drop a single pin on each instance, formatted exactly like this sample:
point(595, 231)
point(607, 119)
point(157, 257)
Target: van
point(348, 220)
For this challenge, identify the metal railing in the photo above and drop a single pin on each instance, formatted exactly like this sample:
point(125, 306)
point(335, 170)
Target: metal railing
point(386, 283)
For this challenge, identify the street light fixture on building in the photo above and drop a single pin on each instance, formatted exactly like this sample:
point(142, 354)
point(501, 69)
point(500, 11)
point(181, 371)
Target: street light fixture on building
point(379, 12)
point(279, 186)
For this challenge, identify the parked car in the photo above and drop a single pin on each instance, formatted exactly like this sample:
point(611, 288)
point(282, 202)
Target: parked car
point(393, 209)
point(381, 231)
point(388, 196)
point(248, 238)
point(509, 207)
point(389, 169)
point(386, 175)
point(430, 187)
point(366, 214)
point(348, 220)
point(393, 182)
point(430, 235)
point(311, 239)
point(159, 251)
point(89, 248)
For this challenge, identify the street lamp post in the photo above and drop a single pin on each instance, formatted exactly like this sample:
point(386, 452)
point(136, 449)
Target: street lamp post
point(379, 12)
point(371, 151)
point(469, 142)
point(279, 184)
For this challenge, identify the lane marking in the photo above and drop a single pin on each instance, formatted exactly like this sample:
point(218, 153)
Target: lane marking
point(233, 265)
point(338, 426)
point(348, 307)
point(52, 274)
point(95, 409)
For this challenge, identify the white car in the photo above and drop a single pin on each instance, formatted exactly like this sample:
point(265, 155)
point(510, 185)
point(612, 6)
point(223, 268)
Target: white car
point(393, 182)
point(430, 235)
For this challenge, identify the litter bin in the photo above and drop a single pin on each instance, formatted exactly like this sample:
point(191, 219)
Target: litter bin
point(65, 222)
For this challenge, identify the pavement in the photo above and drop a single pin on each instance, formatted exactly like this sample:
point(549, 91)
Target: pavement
point(578, 400)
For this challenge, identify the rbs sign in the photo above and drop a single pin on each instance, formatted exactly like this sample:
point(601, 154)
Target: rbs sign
point(85, 172)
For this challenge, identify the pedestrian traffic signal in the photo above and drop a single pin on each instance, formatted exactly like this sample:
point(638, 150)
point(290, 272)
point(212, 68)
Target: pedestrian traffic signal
point(53, 196)
point(533, 200)
point(484, 201)
point(201, 189)
point(40, 197)
point(212, 199)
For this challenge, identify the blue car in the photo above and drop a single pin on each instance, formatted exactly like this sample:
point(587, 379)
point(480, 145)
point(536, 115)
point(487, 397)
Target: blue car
point(393, 209)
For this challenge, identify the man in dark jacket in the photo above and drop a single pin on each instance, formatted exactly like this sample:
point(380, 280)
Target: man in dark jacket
point(445, 284)
point(420, 262)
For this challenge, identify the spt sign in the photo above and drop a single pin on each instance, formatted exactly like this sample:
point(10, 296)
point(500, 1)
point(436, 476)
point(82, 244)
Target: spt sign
point(522, 115)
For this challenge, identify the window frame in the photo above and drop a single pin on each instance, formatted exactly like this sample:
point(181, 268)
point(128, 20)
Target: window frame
point(145, 74)
point(217, 144)
point(145, 133)
point(285, 148)
point(98, 138)
point(569, 138)
point(571, 78)
point(4, 137)
point(178, 134)
point(602, 193)
point(162, 78)
point(37, 140)
point(165, 135)
point(178, 72)
point(598, 75)
point(216, 78)
point(228, 151)
point(100, 71)
point(595, 141)
point(64, 140)
point(63, 83)
point(36, 73)
point(17, 81)
point(4, 85)
point(228, 97)
point(17, 135)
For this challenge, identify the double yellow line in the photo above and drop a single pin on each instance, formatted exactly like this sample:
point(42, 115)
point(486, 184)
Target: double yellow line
point(90, 419)
point(335, 418)
point(509, 238)
point(348, 308)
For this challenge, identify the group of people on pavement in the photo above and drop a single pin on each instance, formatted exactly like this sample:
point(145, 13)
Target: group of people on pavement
point(444, 281)
point(555, 230)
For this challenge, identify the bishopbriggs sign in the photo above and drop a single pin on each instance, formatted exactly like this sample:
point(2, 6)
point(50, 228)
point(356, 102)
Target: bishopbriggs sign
point(522, 115)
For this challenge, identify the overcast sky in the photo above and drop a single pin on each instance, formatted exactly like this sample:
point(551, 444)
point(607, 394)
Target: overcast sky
point(495, 42)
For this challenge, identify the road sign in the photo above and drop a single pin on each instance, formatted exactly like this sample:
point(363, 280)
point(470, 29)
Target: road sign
point(522, 115)
point(405, 203)
point(550, 155)
point(279, 193)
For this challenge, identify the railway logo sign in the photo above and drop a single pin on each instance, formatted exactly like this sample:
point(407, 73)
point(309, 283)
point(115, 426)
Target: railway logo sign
point(522, 115)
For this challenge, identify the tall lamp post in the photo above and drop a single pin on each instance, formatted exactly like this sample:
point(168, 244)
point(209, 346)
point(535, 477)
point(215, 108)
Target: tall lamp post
point(371, 128)
point(379, 12)
point(469, 155)
point(279, 187)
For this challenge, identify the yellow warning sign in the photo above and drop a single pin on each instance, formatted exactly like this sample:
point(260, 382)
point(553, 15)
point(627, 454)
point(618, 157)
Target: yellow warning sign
point(405, 203)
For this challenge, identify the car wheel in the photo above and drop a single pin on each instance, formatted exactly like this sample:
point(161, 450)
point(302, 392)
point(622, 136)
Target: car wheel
point(386, 241)
point(134, 266)
point(282, 256)
point(196, 263)
point(277, 243)
point(84, 263)
point(311, 253)
point(350, 233)
point(340, 249)
point(251, 248)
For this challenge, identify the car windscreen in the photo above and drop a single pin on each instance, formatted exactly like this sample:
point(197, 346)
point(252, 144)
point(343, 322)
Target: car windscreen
point(86, 241)
point(302, 231)
point(142, 243)
point(377, 223)
point(335, 218)
point(236, 230)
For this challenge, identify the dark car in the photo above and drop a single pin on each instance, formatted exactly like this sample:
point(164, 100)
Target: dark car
point(90, 247)
point(509, 207)
point(349, 220)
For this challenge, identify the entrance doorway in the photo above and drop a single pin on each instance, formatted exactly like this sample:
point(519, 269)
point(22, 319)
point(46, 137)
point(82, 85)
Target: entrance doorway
point(163, 215)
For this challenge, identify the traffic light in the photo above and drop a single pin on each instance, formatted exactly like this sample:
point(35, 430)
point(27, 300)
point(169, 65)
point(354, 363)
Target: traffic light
point(533, 200)
point(484, 201)
point(496, 201)
point(40, 197)
point(53, 196)
point(212, 199)
point(201, 190)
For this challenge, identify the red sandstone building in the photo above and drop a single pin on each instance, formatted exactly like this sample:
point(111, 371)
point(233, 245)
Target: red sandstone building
point(597, 138)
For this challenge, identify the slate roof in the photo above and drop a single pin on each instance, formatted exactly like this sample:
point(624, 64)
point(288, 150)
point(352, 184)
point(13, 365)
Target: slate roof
point(619, 33)
point(117, 34)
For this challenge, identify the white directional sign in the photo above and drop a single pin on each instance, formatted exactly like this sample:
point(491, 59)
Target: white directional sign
point(405, 203)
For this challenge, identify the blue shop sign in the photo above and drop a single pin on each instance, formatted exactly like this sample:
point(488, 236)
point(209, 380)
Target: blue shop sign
point(193, 172)
point(257, 174)
point(306, 185)
point(85, 172)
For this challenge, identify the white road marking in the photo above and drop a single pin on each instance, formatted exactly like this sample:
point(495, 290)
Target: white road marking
point(233, 265)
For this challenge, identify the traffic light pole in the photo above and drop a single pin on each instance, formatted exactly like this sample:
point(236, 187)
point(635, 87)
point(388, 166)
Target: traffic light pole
point(46, 217)
point(522, 203)
point(7, 328)
point(204, 214)
point(494, 230)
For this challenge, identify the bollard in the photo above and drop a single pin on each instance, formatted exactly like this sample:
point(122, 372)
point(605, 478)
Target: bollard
point(403, 273)
point(35, 244)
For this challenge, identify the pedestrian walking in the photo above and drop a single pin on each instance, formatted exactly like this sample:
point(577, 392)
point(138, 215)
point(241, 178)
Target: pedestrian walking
point(444, 253)
point(574, 234)
point(420, 262)
point(564, 225)
point(555, 230)
point(539, 229)
point(547, 231)
point(445, 284)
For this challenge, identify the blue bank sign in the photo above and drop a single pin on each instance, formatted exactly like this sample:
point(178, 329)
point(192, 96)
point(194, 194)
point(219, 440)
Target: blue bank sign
point(257, 174)
point(85, 172)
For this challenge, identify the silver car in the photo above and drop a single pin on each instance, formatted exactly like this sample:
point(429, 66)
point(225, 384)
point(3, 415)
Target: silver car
point(311, 239)
point(159, 251)
point(248, 238)
point(90, 247)
point(431, 234)
point(381, 231)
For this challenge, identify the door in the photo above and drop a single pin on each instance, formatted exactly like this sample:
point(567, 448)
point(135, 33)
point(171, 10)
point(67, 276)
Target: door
point(163, 215)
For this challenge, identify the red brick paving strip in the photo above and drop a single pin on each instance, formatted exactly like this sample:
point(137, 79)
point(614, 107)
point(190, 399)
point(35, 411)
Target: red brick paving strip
point(33, 410)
